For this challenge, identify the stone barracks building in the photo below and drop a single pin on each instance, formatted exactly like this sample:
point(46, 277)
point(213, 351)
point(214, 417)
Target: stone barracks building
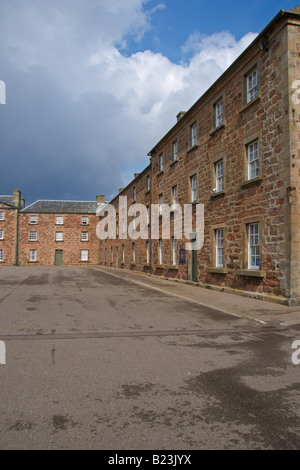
point(237, 152)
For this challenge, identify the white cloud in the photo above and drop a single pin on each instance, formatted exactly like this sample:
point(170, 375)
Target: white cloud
point(115, 108)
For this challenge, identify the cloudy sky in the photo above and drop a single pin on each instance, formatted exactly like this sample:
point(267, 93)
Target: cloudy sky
point(92, 85)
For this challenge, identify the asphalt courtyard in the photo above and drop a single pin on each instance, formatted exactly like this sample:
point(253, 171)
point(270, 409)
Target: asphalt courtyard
point(100, 359)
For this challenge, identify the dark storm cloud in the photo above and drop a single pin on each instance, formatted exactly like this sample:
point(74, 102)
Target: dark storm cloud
point(80, 117)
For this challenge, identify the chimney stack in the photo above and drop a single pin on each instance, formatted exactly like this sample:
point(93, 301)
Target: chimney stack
point(17, 197)
point(180, 115)
point(100, 199)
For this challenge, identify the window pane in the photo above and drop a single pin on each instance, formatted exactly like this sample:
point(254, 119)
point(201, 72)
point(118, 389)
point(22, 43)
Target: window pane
point(219, 176)
point(253, 160)
point(252, 86)
point(219, 248)
point(219, 113)
point(33, 236)
point(194, 187)
point(175, 150)
point(59, 236)
point(253, 241)
point(32, 255)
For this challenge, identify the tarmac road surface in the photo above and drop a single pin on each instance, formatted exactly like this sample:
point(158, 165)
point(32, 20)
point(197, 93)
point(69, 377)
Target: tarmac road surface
point(95, 360)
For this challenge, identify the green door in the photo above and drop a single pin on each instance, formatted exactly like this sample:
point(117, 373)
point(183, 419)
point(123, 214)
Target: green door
point(195, 265)
point(58, 261)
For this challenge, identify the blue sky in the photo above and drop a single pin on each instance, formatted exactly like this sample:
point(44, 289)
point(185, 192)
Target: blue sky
point(92, 88)
point(173, 23)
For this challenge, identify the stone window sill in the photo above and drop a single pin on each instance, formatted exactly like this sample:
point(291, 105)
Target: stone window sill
point(258, 179)
point(248, 105)
point(192, 148)
point(217, 270)
point(174, 161)
point(216, 194)
point(214, 131)
point(175, 267)
point(251, 272)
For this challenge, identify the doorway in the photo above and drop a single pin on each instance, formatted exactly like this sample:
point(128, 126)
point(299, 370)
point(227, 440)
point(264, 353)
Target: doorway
point(58, 260)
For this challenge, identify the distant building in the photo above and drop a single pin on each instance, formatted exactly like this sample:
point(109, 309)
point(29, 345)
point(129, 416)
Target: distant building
point(9, 228)
point(59, 233)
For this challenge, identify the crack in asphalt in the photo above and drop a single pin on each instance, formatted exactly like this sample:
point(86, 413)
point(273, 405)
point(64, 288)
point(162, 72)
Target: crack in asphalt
point(129, 334)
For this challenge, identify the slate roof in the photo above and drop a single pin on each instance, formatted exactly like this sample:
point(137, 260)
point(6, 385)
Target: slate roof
point(9, 200)
point(62, 207)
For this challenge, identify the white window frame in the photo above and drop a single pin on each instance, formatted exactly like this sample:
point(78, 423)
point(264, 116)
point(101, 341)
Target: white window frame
point(84, 255)
point(85, 220)
point(59, 220)
point(84, 236)
point(32, 255)
point(148, 183)
point(123, 253)
point(59, 236)
point(1, 234)
point(161, 201)
point(161, 162)
point(32, 236)
point(219, 113)
point(175, 195)
point(147, 252)
point(252, 85)
point(253, 246)
point(33, 220)
point(253, 160)
point(193, 134)
point(219, 170)
point(174, 251)
point(175, 150)
point(193, 182)
point(134, 194)
point(161, 251)
point(1, 215)
point(219, 234)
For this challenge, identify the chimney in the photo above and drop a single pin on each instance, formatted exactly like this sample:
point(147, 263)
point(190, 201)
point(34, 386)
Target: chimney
point(17, 197)
point(180, 115)
point(100, 199)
